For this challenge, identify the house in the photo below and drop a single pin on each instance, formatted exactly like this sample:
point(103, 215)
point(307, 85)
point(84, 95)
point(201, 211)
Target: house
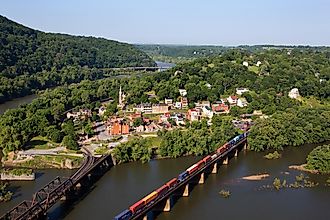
point(139, 129)
point(245, 63)
point(119, 127)
point(193, 115)
point(200, 105)
point(102, 110)
point(220, 107)
point(178, 105)
point(183, 92)
point(184, 102)
point(240, 91)
point(160, 108)
point(208, 85)
point(178, 118)
point(168, 102)
point(241, 102)
point(207, 112)
point(232, 100)
point(294, 93)
point(258, 63)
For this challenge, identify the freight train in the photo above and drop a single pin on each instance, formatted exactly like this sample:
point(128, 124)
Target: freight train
point(160, 192)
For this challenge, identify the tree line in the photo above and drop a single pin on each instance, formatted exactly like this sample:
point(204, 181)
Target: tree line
point(292, 127)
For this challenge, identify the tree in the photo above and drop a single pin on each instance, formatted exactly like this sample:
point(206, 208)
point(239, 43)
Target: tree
point(70, 142)
point(138, 122)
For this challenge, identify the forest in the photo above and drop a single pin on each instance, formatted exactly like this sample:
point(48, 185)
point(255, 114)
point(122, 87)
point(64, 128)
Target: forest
point(32, 60)
point(269, 85)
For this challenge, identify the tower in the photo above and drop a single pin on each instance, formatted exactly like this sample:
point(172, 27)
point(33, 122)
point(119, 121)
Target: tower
point(120, 101)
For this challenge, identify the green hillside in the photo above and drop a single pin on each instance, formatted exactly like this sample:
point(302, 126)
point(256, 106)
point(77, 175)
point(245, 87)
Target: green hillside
point(27, 56)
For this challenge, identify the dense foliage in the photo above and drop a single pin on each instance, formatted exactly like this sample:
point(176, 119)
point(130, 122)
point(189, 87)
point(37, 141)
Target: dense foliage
point(31, 59)
point(319, 159)
point(269, 85)
point(133, 150)
point(197, 140)
point(290, 128)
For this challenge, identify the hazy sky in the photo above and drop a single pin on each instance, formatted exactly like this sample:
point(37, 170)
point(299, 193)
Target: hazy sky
point(221, 22)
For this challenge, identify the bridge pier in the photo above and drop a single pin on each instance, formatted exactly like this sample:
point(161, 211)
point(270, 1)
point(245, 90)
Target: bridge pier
point(186, 191)
point(245, 145)
point(215, 168)
point(236, 153)
point(168, 205)
point(225, 162)
point(202, 178)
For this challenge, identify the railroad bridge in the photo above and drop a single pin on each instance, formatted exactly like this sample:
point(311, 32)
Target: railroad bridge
point(162, 199)
point(61, 189)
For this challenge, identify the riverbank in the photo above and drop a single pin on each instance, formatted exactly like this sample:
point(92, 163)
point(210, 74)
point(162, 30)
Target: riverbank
point(44, 161)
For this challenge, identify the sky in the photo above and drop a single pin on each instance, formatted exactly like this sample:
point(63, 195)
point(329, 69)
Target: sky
point(187, 22)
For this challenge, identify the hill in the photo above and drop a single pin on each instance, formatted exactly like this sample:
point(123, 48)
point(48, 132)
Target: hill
point(26, 53)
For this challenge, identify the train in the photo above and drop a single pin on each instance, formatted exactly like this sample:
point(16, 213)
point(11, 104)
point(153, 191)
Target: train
point(161, 191)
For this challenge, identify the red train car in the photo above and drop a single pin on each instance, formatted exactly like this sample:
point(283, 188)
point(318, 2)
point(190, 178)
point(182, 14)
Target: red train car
point(172, 182)
point(207, 159)
point(162, 190)
point(137, 206)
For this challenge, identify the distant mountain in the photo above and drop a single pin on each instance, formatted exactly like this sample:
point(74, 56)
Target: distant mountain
point(27, 51)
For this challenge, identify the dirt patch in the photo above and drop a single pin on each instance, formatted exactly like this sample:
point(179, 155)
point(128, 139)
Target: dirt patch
point(256, 177)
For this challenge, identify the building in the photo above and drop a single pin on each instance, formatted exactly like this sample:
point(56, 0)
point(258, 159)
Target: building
point(220, 107)
point(144, 107)
point(183, 92)
point(184, 102)
point(193, 115)
point(241, 102)
point(207, 112)
point(119, 127)
point(121, 99)
point(258, 63)
point(232, 100)
point(168, 102)
point(102, 110)
point(160, 108)
point(178, 105)
point(294, 93)
point(245, 63)
point(240, 91)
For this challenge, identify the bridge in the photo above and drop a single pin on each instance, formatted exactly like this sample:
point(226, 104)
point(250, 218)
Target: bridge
point(61, 189)
point(145, 68)
point(164, 201)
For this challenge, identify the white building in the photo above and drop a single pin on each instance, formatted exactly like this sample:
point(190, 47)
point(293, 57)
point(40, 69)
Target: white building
point(240, 91)
point(207, 112)
point(241, 102)
point(169, 102)
point(232, 100)
point(258, 63)
point(102, 110)
point(294, 93)
point(183, 92)
point(245, 63)
point(178, 105)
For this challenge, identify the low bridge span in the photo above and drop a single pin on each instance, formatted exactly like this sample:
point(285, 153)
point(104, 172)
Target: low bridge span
point(61, 188)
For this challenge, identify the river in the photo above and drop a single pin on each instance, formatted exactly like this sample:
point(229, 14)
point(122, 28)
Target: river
point(126, 183)
point(16, 103)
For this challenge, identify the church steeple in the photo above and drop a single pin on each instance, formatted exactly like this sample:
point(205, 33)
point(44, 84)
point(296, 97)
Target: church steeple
point(120, 101)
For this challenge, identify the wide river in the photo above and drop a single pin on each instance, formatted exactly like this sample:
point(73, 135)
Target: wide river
point(124, 184)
